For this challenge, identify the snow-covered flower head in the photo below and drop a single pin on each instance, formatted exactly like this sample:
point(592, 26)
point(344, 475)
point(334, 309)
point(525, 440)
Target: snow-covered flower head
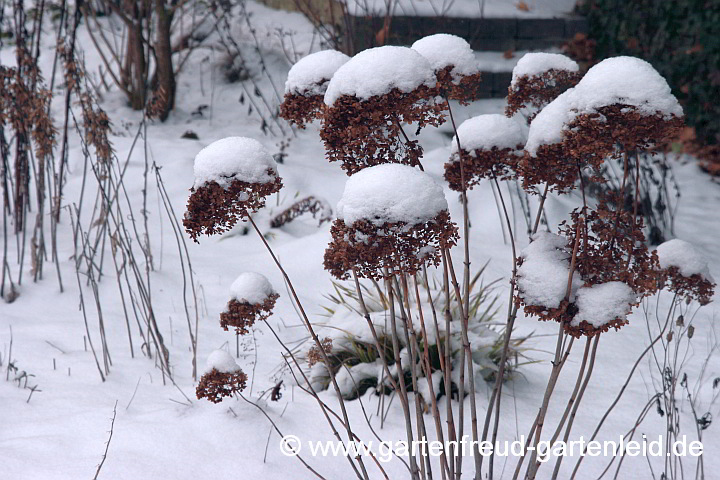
point(684, 270)
point(233, 176)
point(538, 79)
point(306, 84)
point(391, 219)
point(222, 378)
point(452, 59)
point(621, 101)
point(490, 147)
point(252, 300)
point(367, 101)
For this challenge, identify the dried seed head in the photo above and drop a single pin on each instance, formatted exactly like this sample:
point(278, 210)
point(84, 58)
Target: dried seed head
point(314, 355)
point(684, 270)
point(539, 78)
point(490, 147)
point(233, 176)
point(215, 385)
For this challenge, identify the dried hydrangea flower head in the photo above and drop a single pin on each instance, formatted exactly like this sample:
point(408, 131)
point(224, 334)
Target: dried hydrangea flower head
point(621, 102)
point(490, 147)
point(222, 378)
point(546, 159)
point(456, 69)
point(306, 84)
point(252, 300)
point(233, 176)
point(391, 218)
point(600, 307)
point(369, 99)
point(538, 79)
point(685, 271)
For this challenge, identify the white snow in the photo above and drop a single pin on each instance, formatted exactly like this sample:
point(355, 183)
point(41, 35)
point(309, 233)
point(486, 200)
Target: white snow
point(376, 71)
point(628, 81)
point(311, 74)
point(543, 275)
point(485, 132)
point(251, 287)
point(234, 158)
point(350, 378)
point(391, 193)
point(685, 256)
point(221, 361)
point(444, 50)
point(548, 125)
point(535, 63)
point(600, 304)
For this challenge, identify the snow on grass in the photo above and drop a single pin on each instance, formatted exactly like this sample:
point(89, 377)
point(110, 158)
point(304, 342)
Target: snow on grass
point(685, 257)
point(443, 50)
point(377, 71)
point(310, 75)
point(252, 288)
point(545, 270)
point(234, 158)
point(221, 361)
point(535, 63)
point(600, 304)
point(486, 132)
point(391, 193)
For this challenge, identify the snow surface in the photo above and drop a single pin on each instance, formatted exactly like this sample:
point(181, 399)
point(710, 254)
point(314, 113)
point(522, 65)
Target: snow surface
point(310, 75)
point(685, 256)
point(376, 71)
point(221, 361)
point(464, 8)
point(535, 63)
point(391, 193)
point(444, 50)
point(543, 275)
point(600, 304)
point(489, 131)
point(251, 287)
point(234, 158)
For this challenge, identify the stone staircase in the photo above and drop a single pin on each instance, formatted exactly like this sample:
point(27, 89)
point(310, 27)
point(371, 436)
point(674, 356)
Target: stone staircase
point(483, 34)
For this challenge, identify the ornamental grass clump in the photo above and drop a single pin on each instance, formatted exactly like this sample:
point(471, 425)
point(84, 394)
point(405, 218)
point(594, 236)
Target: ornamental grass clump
point(684, 271)
point(491, 147)
point(222, 378)
point(306, 84)
point(233, 176)
point(252, 300)
point(392, 219)
point(367, 102)
point(453, 61)
point(538, 79)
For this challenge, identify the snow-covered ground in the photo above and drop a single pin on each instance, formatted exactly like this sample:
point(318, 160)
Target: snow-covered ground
point(468, 8)
point(161, 432)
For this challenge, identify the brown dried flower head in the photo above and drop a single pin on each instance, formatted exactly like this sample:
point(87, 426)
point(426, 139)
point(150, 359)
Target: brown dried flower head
point(253, 299)
point(453, 61)
point(684, 271)
point(306, 85)
point(367, 102)
point(490, 147)
point(393, 219)
point(533, 92)
point(314, 356)
point(214, 385)
point(233, 176)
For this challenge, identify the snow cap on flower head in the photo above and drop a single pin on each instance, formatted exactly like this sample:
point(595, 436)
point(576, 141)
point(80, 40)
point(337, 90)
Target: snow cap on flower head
point(685, 270)
point(222, 378)
point(233, 176)
point(391, 218)
point(252, 299)
point(306, 84)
